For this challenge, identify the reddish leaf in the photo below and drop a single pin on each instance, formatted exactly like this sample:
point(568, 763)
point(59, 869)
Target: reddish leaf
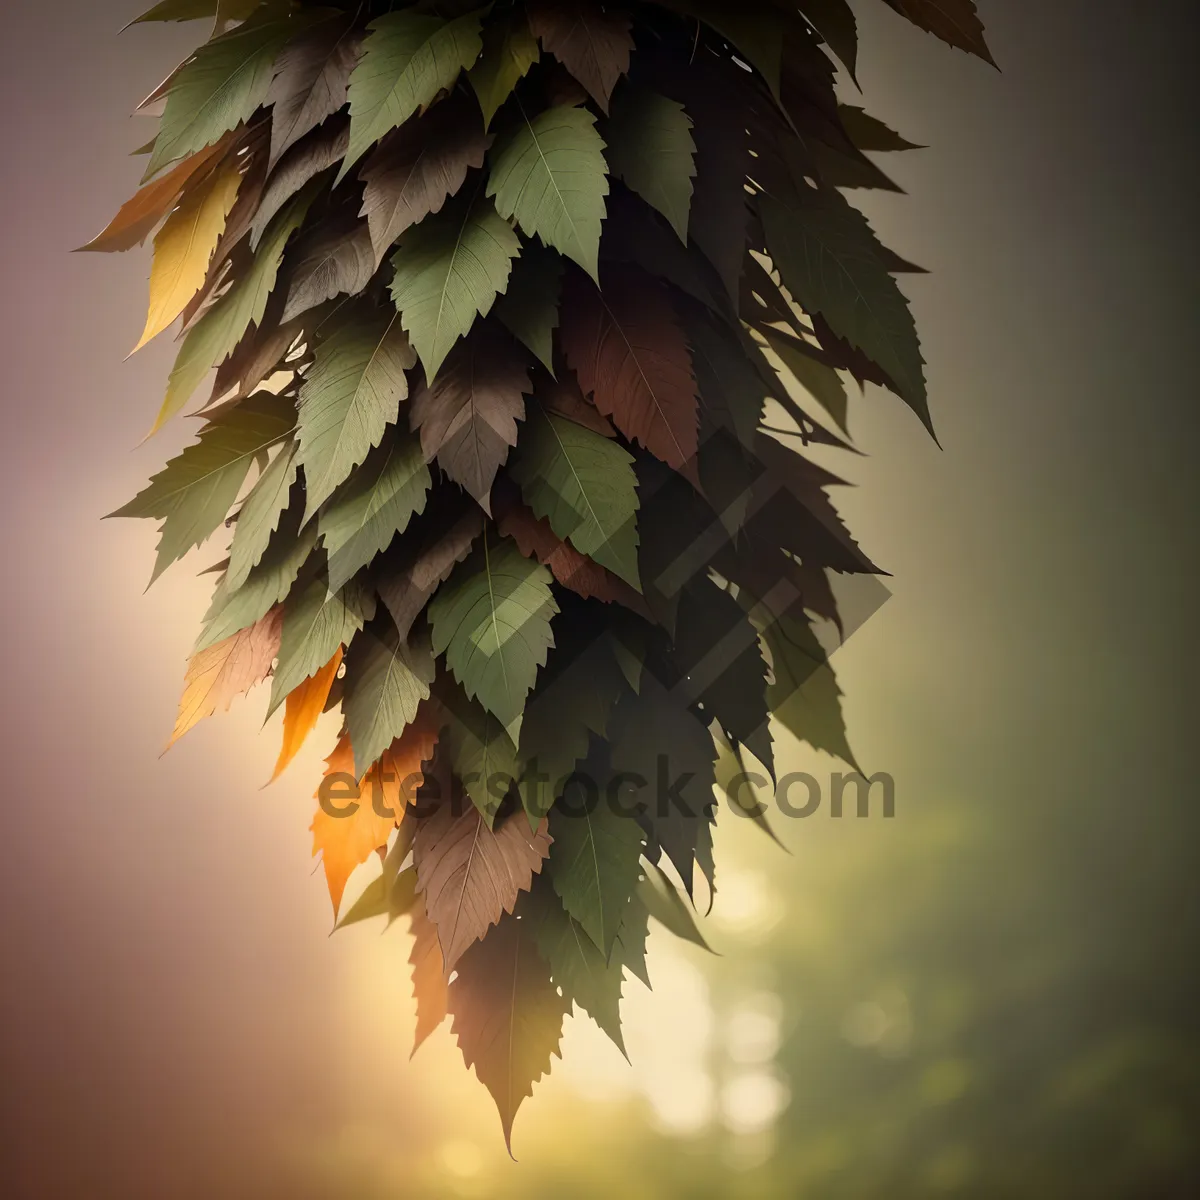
point(563, 396)
point(631, 356)
point(507, 1014)
point(471, 875)
point(468, 417)
point(593, 43)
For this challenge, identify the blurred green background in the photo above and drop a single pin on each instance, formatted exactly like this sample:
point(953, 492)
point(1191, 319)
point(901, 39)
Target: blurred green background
point(991, 994)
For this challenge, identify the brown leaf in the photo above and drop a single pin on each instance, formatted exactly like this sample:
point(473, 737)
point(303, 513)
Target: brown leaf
point(428, 976)
point(139, 215)
point(507, 1014)
point(536, 539)
point(631, 356)
point(303, 709)
point(423, 560)
point(418, 166)
point(563, 396)
point(336, 260)
point(257, 356)
point(230, 668)
point(593, 43)
point(468, 417)
point(312, 76)
point(471, 875)
point(304, 161)
point(345, 841)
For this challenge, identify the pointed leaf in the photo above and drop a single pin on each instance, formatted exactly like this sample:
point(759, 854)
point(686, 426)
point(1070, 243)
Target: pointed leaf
point(491, 620)
point(316, 624)
point(584, 485)
point(468, 416)
point(229, 669)
point(310, 83)
point(428, 973)
point(507, 1015)
point(650, 148)
point(349, 397)
point(184, 246)
point(592, 42)
point(418, 167)
point(956, 22)
point(449, 270)
point(305, 704)
point(194, 491)
point(549, 175)
point(632, 359)
point(386, 681)
point(829, 260)
point(594, 866)
point(260, 515)
point(509, 52)
point(375, 504)
point(529, 309)
point(408, 58)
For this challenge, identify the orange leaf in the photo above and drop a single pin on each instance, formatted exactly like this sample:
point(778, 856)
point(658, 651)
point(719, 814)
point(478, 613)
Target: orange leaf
point(138, 216)
point(345, 840)
point(216, 675)
point(304, 707)
point(429, 976)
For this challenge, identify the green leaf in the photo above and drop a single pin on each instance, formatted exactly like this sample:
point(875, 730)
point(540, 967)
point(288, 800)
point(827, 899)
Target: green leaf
point(549, 175)
point(664, 903)
point(375, 504)
point(584, 485)
point(236, 608)
point(449, 270)
point(574, 699)
point(586, 976)
point(529, 309)
point(649, 730)
point(594, 864)
point(631, 937)
point(386, 680)
point(483, 757)
point(803, 695)
point(384, 897)
point(509, 53)
point(195, 10)
point(216, 335)
point(219, 87)
point(259, 516)
point(650, 148)
point(195, 491)
point(316, 622)
point(491, 619)
point(830, 260)
point(349, 397)
point(407, 60)
point(821, 382)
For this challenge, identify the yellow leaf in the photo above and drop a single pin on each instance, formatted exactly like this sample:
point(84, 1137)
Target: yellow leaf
point(184, 246)
point(347, 840)
point(305, 705)
point(216, 675)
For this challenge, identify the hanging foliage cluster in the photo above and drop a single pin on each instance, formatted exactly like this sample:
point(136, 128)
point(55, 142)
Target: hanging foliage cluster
point(521, 317)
